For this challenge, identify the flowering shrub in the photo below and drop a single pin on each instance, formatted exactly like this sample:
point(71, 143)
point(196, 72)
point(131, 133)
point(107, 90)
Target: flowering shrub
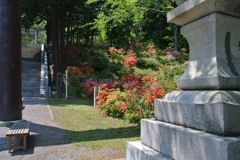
point(171, 53)
point(88, 85)
point(141, 98)
point(134, 102)
point(130, 61)
point(112, 50)
point(112, 102)
point(130, 81)
point(150, 50)
point(139, 76)
point(75, 75)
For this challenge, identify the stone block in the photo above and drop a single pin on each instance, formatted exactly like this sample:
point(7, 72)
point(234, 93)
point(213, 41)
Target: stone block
point(186, 12)
point(210, 111)
point(187, 144)
point(138, 151)
point(179, 2)
point(214, 54)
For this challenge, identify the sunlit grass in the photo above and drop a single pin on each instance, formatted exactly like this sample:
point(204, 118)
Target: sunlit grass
point(87, 128)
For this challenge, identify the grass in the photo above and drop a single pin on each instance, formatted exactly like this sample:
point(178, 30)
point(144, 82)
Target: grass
point(85, 127)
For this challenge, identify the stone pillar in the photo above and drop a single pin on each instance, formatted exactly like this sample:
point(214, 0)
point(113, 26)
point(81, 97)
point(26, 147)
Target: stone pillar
point(10, 61)
point(202, 121)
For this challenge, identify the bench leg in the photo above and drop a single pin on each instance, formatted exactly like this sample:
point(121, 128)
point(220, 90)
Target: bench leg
point(25, 142)
point(9, 143)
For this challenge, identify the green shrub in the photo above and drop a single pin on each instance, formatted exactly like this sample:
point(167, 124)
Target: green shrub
point(144, 63)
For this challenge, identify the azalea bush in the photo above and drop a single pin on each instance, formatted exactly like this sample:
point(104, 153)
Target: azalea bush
point(134, 102)
point(130, 78)
point(112, 102)
point(141, 97)
point(76, 74)
point(87, 85)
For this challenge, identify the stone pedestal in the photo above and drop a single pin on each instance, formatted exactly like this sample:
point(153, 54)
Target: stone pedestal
point(214, 57)
point(182, 143)
point(202, 121)
point(210, 111)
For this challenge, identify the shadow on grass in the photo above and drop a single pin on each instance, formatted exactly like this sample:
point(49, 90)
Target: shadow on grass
point(42, 135)
point(66, 102)
point(102, 134)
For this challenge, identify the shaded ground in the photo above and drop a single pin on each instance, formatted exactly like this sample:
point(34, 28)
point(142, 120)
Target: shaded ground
point(46, 140)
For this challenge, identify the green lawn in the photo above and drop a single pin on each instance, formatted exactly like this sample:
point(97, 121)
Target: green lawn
point(87, 128)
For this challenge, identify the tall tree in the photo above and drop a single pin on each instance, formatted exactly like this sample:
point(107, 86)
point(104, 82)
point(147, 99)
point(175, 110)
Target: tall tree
point(126, 21)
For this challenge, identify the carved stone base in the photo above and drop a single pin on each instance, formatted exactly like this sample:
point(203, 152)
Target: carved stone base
point(214, 53)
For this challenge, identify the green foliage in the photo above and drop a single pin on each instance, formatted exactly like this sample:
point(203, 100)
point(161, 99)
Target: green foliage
point(144, 72)
point(28, 35)
point(143, 20)
point(148, 63)
point(99, 63)
point(34, 12)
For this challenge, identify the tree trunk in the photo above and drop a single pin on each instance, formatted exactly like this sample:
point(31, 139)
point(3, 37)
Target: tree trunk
point(55, 39)
point(10, 61)
point(175, 37)
point(49, 38)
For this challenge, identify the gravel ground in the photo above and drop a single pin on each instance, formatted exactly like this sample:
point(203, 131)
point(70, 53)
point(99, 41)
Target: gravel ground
point(46, 140)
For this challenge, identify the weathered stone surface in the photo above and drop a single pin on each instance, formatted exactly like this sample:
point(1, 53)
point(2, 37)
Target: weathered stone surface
point(186, 144)
point(138, 151)
point(180, 1)
point(210, 111)
point(214, 53)
point(194, 9)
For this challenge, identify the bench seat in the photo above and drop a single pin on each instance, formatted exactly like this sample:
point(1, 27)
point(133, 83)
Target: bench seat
point(18, 129)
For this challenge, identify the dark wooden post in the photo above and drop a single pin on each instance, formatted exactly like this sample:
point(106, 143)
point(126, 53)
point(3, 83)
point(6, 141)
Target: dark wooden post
point(10, 61)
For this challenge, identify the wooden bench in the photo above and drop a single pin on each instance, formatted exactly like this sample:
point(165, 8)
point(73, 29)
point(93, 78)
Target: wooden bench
point(18, 129)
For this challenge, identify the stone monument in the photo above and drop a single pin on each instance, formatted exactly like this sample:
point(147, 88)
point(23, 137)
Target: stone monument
point(202, 122)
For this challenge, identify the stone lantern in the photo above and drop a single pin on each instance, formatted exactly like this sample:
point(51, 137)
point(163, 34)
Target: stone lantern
point(201, 122)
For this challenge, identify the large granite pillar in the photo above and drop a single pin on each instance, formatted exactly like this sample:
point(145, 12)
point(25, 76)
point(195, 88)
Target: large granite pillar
point(202, 122)
point(10, 61)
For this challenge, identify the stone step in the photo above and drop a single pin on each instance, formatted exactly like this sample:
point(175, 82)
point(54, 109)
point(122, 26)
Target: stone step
point(187, 144)
point(138, 151)
point(30, 49)
point(30, 66)
point(31, 78)
point(31, 70)
point(30, 84)
point(31, 91)
point(211, 111)
point(29, 74)
point(30, 94)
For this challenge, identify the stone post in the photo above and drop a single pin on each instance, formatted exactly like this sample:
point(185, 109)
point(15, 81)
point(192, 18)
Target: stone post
point(36, 37)
point(202, 121)
point(96, 90)
point(10, 61)
point(59, 85)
